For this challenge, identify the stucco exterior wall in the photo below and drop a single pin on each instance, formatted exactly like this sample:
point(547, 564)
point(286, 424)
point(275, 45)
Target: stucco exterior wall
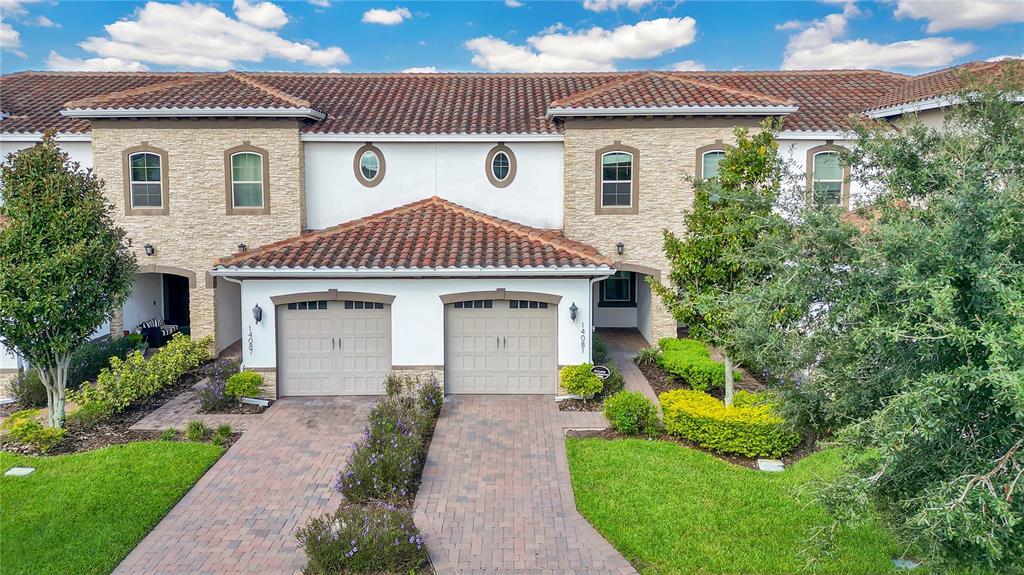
point(197, 229)
point(667, 155)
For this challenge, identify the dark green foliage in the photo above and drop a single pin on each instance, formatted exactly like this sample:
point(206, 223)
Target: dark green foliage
point(196, 430)
point(375, 538)
point(214, 396)
point(900, 331)
point(431, 398)
point(168, 435)
point(614, 382)
point(631, 413)
point(88, 416)
point(599, 351)
point(88, 360)
point(690, 361)
point(62, 265)
point(28, 389)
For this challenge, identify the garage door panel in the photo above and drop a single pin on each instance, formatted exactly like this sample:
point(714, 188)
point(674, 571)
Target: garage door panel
point(334, 348)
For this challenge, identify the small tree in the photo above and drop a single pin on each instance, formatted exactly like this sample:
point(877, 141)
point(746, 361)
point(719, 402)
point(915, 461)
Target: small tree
point(713, 259)
point(63, 270)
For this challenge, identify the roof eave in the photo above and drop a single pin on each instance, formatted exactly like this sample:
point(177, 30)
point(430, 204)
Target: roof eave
point(932, 103)
point(780, 110)
point(95, 113)
point(532, 271)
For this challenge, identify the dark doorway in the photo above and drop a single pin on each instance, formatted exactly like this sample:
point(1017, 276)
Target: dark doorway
point(176, 300)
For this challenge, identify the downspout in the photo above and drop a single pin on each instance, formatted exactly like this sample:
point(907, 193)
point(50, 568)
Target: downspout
point(590, 305)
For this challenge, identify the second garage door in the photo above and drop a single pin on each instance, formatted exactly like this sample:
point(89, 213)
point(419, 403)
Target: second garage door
point(501, 346)
point(334, 347)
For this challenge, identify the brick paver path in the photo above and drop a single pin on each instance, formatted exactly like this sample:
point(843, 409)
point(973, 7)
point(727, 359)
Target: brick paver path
point(496, 496)
point(177, 412)
point(242, 515)
point(622, 345)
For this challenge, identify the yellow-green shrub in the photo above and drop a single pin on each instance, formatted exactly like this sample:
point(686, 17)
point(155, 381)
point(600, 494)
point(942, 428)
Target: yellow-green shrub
point(244, 384)
point(24, 427)
point(747, 428)
point(579, 380)
point(134, 378)
point(690, 361)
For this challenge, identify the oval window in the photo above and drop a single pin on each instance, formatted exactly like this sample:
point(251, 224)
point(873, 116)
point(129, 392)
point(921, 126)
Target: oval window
point(500, 165)
point(369, 164)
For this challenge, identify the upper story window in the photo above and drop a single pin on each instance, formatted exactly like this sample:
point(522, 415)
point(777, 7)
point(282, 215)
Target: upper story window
point(827, 177)
point(247, 180)
point(500, 166)
point(617, 179)
point(369, 165)
point(145, 181)
point(709, 163)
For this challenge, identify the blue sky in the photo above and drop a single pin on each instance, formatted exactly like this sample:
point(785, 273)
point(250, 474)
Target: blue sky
point(505, 35)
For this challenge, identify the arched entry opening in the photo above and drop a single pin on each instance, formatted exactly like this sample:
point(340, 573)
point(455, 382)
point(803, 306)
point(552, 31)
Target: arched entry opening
point(159, 305)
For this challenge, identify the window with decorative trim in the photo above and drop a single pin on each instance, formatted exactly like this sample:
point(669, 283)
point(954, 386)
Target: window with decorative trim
point(247, 180)
point(709, 163)
point(828, 181)
point(618, 290)
point(145, 181)
point(500, 166)
point(616, 179)
point(369, 165)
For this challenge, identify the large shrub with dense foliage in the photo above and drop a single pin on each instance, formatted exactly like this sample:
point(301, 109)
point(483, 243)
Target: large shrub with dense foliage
point(746, 428)
point(631, 413)
point(89, 360)
point(580, 380)
point(899, 330)
point(135, 378)
point(63, 267)
point(690, 361)
point(374, 538)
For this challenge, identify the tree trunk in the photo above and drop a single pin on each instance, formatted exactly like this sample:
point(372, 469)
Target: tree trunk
point(730, 385)
point(55, 379)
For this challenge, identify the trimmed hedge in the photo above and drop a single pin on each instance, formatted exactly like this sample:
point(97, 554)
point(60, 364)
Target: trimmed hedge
point(579, 380)
point(244, 384)
point(135, 378)
point(630, 412)
point(690, 360)
point(750, 427)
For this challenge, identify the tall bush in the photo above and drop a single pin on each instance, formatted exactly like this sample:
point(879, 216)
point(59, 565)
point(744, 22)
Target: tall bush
point(745, 428)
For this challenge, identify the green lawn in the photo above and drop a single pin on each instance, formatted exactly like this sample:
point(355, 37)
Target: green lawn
point(671, 509)
point(83, 513)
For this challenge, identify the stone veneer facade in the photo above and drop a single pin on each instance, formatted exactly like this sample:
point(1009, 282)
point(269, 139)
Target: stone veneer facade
point(197, 229)
point(668, 151)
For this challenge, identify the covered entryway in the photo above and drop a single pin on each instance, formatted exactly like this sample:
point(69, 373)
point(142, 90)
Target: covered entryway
point(506, 346)
point(333, 347)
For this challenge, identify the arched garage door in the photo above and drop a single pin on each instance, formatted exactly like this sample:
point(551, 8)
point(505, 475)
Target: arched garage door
point(333, 347)
point(500, 346)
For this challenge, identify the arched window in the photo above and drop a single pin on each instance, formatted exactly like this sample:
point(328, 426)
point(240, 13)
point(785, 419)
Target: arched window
point(709, 163)
point(247, 180)
point(500, 166)
point(146, 169)
point(827, 178)
point(617, 179)
point(369, 165)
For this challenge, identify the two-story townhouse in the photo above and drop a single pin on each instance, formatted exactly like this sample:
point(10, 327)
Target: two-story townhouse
point(473, 226)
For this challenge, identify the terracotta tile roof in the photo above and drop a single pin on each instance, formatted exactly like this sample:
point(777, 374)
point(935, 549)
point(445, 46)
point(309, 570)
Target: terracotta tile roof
point(437, 103)
point(430, 233)
point(659, 89)
point(947, 81)
point(228, 90)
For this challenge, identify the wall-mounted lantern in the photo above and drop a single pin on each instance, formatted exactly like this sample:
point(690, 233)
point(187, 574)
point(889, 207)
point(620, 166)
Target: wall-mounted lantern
point(620, 247)
point(149, 249)
point(242, 247)
point(573, 311)
point(257, 313)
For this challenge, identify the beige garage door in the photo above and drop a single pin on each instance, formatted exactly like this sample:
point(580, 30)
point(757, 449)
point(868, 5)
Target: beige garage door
point(500, 346)
point(334, 347)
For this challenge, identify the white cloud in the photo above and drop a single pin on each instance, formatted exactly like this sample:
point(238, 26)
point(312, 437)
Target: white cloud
point(45, 22)
point(1004, 57)
point(262, 15)
point(9, 37)
point(202, 37)
point(420, 70)
point(605, 5)
point(593, 49)
point(15, 7)
point(790, 25)
point(387, 17)
point(689, 66)
point(61, 64)
point(961, 14)
point(513, 3)
point(818, 46)
point(321, 3)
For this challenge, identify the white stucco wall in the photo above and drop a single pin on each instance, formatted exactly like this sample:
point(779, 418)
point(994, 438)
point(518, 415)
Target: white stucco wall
point(417, 314)
point(229, 314)
point(452, 170)
point(146, 301)
point(796, 152)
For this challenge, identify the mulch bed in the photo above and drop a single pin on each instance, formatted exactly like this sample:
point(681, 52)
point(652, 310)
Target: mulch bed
point(596, 404)
point(803, 450)
point(239, 409)
point(116, 430)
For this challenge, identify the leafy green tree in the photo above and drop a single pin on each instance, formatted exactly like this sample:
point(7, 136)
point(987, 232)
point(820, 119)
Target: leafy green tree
point(63, 270)
point(899, 331)
point(731, 213)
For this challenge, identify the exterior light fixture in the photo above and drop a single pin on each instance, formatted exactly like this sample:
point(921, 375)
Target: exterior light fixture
point(149, 249)
point(573, 311)
point(242, 247)
point(620, 247)
point(257, 313)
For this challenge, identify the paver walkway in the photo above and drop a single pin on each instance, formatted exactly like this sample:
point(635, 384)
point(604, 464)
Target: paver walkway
point(179, 411)
point(242, 515)
point(496, 495)
point(622, 345)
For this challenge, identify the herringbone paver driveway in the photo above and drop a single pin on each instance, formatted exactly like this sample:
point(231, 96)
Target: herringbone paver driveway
point(241, 516)
point(496, 496)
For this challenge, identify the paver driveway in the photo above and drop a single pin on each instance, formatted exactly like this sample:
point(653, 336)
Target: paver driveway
point(496, 496)
point(241, 516)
